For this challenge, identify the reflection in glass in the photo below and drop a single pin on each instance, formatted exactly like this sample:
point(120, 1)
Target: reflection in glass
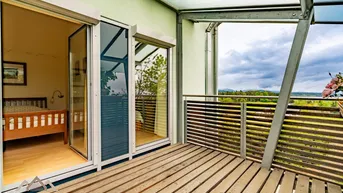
point(331, 13)
point(78, 91)
point(114, 92)
point(151, 93)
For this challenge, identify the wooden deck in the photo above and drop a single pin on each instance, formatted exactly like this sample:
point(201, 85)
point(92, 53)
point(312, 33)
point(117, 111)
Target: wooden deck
point(190, 168)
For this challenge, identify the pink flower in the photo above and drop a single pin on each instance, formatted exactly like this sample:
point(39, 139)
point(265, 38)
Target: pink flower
point(334, 80)
point(335, 86)
point(329, 85)
point(327, 92)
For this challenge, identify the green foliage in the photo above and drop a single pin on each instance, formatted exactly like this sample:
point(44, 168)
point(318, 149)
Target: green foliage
point(106, 76)
point(248, 93)
point(315, 103)
point(318, 103)
point(152, 76)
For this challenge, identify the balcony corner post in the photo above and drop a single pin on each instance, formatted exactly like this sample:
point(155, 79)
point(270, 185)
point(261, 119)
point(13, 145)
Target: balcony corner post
point(179, 79)
point(243, 130)
point(185, 121)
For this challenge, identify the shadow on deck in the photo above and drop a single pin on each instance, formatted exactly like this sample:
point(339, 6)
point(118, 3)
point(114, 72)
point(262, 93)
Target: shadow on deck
point(191, 168)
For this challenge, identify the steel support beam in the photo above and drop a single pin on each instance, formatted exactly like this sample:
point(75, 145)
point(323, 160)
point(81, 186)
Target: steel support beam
point(211, 60)
point(212, 25)
point(114, 59)
point(215, 59)
point(112, 41)
point(306, 7)
point(179, 81)
point(292, 15)
point(286, 89)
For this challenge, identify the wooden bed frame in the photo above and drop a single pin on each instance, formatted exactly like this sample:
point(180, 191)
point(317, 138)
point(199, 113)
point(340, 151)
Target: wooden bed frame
point(32, 124)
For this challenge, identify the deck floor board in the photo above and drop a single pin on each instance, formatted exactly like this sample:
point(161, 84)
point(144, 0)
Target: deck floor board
point(204, 176)
point(114, 181)
point(184, 180)
point(192, 168)
point(257, 183)
point(318, 186)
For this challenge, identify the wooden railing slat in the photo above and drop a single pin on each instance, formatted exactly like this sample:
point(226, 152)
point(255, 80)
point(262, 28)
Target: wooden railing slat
point(309, 133)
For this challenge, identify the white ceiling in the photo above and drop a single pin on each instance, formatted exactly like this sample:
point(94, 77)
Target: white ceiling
point(204, 4)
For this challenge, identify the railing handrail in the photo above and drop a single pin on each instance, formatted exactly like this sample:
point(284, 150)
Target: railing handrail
point(265, 97)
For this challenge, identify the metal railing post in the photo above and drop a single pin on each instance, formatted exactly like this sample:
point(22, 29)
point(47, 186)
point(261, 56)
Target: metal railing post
point(144, 115)
point(243, 130)
point(185, 121)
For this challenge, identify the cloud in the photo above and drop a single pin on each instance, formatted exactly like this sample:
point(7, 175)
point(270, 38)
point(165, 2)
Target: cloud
point(259, 61)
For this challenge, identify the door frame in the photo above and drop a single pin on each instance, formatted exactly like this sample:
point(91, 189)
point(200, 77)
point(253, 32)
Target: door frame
point(70, 136)
point(1, 94)
point(167, 43)
point(91, 17)
point(131, 90)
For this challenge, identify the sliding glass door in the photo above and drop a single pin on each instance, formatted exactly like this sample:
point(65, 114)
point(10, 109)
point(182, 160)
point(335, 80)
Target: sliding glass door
point(151, 80)
point(114, 91)
point(78, 91)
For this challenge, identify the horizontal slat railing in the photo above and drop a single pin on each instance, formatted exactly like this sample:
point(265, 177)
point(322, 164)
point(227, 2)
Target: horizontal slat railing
point(146, 106)
point(311, 142)
point(311, 139)
point(259, 117)
point(215, 125)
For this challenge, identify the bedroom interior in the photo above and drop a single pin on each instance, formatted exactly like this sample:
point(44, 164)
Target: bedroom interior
point(44, 98)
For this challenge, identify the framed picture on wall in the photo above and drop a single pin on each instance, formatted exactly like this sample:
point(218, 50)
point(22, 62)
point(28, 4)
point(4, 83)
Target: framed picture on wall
point(14, 73)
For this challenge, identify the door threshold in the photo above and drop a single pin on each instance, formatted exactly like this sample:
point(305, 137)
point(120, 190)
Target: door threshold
point(151, 146)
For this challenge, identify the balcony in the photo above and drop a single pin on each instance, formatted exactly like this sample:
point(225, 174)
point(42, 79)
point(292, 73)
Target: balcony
point(224, 148)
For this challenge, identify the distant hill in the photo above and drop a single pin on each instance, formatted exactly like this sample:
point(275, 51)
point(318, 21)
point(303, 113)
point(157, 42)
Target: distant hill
point(308, 94)
point(226, 90)
point(232, 91)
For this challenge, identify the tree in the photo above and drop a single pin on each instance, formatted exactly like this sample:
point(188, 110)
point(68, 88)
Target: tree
point(106, 76)
point(152, 76)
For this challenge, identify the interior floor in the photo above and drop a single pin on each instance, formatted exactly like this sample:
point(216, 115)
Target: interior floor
point(27, 158)
point(143, 137)
point(80, 142)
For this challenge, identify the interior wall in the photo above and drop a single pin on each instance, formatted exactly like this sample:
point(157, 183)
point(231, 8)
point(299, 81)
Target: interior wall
point(41, 42)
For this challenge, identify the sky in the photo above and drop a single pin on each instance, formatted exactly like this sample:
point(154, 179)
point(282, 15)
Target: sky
point(254, 56)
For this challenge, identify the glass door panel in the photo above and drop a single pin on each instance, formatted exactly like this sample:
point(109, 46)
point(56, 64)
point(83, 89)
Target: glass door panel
point(114, 91)
point(78, 124)
point(151, 80)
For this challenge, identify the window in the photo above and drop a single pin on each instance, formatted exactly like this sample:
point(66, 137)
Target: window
point(151, 79)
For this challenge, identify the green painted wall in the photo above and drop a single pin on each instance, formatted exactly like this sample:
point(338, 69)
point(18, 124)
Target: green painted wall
point(194, 44)
point(150, 14)
point(146, 13)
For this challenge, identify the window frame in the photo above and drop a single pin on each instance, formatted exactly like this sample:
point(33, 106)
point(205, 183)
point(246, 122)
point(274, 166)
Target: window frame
point(160, 41)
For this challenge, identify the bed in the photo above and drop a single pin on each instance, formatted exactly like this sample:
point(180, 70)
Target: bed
point(29, 117)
